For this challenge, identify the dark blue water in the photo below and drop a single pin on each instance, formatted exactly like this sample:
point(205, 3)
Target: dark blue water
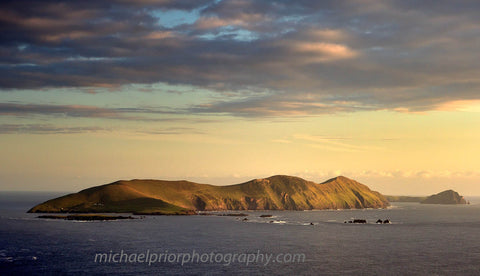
point(422, 240)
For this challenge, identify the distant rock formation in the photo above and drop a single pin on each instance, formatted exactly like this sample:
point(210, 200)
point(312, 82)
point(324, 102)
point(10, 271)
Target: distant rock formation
point(356, 221)
point(445, 197)
point(278, 192)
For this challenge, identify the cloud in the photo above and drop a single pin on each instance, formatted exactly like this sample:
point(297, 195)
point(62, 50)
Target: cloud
point(172, 131)
point(324, 51)
point(66, 110)
point(418, 174)
point(85, 111)
point(56, 129)
point(460, 105)
point(395, 55)
point(46, 129)
point(280, 105)
point(333, 143)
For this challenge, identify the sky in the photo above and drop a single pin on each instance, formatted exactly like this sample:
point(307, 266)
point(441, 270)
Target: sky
point(224, 91)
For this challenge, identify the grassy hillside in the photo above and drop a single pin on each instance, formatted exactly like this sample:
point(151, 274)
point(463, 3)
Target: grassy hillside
point(182, 197)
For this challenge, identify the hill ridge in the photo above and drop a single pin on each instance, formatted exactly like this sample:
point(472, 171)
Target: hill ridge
point(277, 192)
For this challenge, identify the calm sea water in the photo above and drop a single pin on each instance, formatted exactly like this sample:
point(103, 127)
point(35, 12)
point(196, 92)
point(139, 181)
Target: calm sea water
point(422, 240)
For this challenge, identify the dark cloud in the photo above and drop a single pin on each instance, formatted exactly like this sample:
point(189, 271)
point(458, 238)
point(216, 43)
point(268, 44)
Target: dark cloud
point(55, 129)
point(45, 129)
point(281, 105)
point(405, 55)
point(85, 111)
point(65, 110)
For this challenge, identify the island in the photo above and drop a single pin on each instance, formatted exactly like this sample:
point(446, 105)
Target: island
point(161, 197)
point(445, 197)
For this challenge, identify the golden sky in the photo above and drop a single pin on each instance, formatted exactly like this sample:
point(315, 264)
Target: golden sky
point(221, 92)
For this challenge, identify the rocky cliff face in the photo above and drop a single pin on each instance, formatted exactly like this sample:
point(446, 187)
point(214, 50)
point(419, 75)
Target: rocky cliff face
point(274, 193)
point(445, 197)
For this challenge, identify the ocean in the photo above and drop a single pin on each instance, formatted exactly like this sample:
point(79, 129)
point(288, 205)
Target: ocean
point(421, 240)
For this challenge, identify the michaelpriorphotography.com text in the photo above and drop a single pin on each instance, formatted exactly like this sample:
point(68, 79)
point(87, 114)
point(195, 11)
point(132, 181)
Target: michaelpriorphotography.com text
point(150, 257)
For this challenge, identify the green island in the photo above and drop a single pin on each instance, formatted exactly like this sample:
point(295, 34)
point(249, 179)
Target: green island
point(160, 197)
